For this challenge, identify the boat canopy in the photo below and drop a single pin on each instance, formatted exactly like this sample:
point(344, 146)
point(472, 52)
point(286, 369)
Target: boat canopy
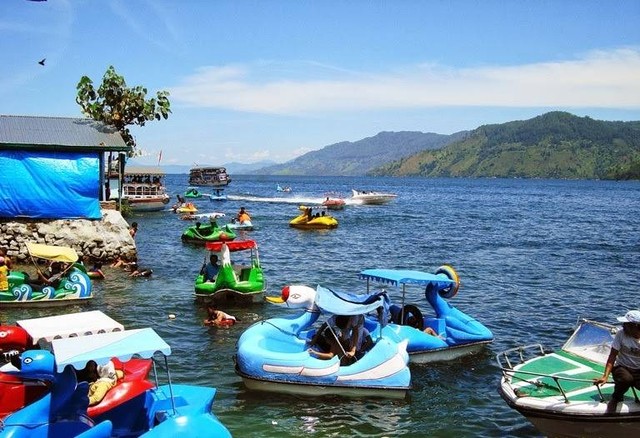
point(234, 245)
point(399, 277)
point(69, 325)
point(50, 252)
point(340, 302)
point(105, 346)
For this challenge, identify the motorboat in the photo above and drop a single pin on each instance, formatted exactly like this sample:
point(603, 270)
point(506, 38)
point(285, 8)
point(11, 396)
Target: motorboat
point(274, 354)
point(285, 189)
point(240, 281)
point(555, 391)
point(39, 333)
point(369, 197)
point(70, 284)
point(307, 220)
point(142, 188)
point(211, 232)
point(333, 202)
point(209, 176)
point(158, 410)
point(440, 333)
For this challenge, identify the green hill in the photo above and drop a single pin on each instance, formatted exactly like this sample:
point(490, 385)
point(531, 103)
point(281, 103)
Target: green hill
point(553, 145)
point(357, 158)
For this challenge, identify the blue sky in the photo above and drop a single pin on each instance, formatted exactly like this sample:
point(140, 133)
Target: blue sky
point(271, 80)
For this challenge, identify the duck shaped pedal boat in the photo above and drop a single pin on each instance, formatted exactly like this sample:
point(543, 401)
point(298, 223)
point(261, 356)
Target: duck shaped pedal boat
point(210, 232)
point(276, 354)
point(555, 391)
point(448, 333)
point(158, 410)
point(307, 220)
point(242, 281)
point(67, 282)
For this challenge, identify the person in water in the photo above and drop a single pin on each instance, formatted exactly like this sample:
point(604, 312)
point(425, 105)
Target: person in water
point(218, 317)
point(624, 359)
point(137, 271)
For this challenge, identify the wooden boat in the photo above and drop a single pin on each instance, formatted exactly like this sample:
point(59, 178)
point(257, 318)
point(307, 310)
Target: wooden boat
point(209, 176)
point(143, 189)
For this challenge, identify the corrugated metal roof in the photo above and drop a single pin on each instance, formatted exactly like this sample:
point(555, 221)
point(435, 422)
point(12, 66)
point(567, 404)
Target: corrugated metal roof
point(33, 132)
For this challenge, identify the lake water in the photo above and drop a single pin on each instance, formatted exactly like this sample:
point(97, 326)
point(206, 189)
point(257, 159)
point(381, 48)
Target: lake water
point(533, 256)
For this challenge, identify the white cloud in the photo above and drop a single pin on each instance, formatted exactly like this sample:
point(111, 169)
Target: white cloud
point(599, 79)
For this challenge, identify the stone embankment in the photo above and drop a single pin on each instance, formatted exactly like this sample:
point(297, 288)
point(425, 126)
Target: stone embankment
point(94, 240)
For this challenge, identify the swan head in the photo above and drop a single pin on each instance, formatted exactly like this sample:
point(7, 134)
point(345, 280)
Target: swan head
point(295, 296)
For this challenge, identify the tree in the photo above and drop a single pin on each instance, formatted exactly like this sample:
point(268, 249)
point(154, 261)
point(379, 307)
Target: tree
point(118, 105)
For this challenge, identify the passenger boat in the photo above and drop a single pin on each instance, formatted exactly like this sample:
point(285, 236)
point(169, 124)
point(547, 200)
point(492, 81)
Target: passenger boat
point(309, 221)
point(240, 281)
point(210, 232)
point(274, 355)
point(368, 197)
point(70, 285)
point(209, 177)
point(555, 391)
point(445, 334)
point(18, 392)
point(143, 188)
point(157, 410)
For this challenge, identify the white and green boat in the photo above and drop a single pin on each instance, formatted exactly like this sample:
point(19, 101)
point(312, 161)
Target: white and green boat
point(556, 391)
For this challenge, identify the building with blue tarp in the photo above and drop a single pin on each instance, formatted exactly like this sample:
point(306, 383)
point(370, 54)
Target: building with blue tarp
point(54, 167)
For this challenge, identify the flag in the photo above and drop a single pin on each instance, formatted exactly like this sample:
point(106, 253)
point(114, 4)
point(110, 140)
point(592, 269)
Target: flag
point(159, 157)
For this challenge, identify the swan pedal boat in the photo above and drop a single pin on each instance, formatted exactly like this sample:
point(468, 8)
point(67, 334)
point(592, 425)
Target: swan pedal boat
point(555, 391)
point(303, 221)
point(373, 198)
point(73, 286)
point(39, 333)
point(159, 410)
point(458, 334)
point(238, 282)
point(272, 355)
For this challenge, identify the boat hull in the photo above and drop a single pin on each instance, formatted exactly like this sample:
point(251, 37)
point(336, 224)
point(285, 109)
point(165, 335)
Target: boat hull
point(148, 204)
point(447, 353)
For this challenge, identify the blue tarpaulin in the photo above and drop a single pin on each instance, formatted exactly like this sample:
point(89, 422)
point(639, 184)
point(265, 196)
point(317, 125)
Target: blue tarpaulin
point(49, 185)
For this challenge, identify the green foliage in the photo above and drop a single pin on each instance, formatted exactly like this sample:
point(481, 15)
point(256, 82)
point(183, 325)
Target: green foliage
point(113, 103)
point(554, 145)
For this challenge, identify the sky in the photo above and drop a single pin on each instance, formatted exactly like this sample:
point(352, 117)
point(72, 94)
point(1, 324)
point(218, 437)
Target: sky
point(274, 79)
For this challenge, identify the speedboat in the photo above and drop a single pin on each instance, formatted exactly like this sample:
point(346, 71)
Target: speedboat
point(309, 221)
point(157, 410)
point(39, 333)
point(369, 197)
point(447, 333)
point(210, 232)
point(70, 285)
point(273, 355)
point(334, 203)
point(241, 281)
point(555, 391)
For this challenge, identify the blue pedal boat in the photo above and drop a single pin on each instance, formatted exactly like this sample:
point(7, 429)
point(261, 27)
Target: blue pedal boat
point(162, 410)
point(273, 355)
point(456, 333)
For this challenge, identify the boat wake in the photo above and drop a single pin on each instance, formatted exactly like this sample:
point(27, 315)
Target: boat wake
point(301, 200)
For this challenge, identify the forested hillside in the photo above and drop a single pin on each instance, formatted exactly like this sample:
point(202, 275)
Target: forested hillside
point(357, 158)
point(553, 145)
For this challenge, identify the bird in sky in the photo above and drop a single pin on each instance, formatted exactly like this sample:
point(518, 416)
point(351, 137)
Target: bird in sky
point(42, 61)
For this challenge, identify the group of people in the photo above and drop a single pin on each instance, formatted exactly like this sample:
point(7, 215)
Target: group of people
point(101, 379)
